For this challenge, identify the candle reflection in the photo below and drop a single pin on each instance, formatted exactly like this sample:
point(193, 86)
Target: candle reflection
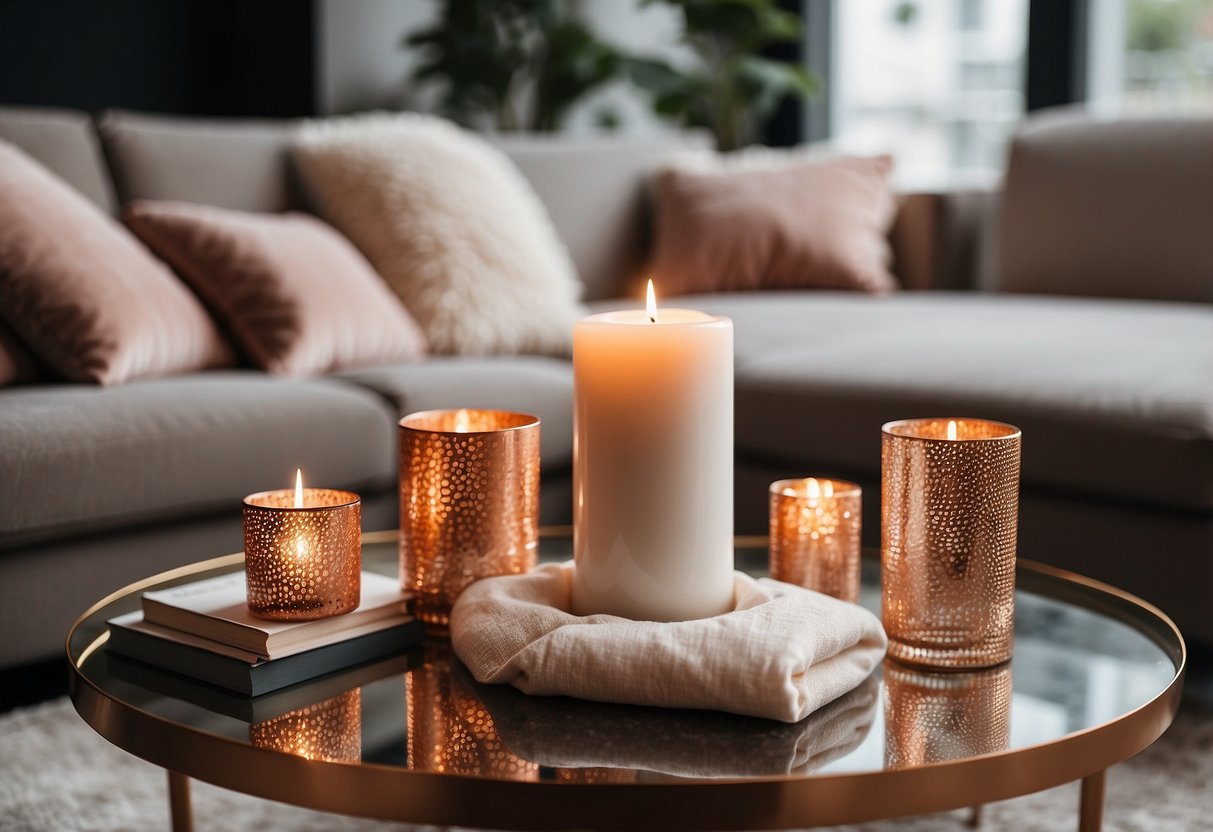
point(449, 728)
point(933, 717)
point(329, 730)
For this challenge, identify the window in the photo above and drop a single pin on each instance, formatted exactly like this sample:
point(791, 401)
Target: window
point(1151, 56)
point(937, 83)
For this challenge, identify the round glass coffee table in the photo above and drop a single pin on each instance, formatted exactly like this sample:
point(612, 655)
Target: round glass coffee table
point(1096, 678)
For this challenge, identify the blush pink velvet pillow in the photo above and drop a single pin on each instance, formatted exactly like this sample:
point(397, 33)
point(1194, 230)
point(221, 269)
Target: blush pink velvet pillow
point(83, 295)
point(769, 221)
point(295, 295)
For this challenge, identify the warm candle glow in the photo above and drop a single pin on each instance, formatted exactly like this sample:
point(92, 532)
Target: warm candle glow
point(951, 428)
point(650, 303)
point(812, 490)
point(461, 421)
point(298, 488)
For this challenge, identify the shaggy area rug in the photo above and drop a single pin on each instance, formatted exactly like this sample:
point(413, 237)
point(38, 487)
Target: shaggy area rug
point(57, 775)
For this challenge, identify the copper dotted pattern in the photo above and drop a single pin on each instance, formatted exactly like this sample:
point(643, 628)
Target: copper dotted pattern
point(935, 717)
point(816, 544)
point(303, 563)
point(451, 731)
point(949, 515)
point(328, 730)
point(469, 503)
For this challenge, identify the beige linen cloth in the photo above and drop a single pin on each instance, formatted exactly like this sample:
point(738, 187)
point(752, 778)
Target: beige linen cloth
point(782, 652)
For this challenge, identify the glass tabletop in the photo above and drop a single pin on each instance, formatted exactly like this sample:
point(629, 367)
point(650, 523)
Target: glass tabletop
point(1083, 657)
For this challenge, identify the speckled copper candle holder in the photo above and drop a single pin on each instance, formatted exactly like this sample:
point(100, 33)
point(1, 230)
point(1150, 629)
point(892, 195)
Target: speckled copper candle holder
point(932, 717)
point(469, 503)
point(815, 541)
point(329, 730)
point(949, 511)
point(302, 563)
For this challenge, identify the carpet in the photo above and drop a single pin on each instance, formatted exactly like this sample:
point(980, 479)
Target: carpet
point(57, 775)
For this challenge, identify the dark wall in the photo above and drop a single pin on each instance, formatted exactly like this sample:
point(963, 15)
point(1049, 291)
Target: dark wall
point(199, 57)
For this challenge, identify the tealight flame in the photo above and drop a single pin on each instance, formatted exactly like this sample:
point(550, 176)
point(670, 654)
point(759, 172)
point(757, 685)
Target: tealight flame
point(951, 428)
point(298, 488)
point(815, 489)
point(650, 303)
point(461, 421)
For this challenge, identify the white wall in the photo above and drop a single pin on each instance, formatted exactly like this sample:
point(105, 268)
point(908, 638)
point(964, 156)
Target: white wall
point(361, 64)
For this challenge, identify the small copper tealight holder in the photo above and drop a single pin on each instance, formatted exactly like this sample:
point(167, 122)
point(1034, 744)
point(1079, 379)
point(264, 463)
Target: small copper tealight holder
point(815, 535)
point(949, 514)
point(469, 503)
point(302, 552)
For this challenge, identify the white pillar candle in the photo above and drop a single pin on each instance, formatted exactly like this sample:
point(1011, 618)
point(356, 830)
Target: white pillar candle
point(653, 464)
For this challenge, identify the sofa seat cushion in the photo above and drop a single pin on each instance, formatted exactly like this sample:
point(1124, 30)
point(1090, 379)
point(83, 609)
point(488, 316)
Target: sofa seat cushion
point(1114, 397)
point(79, 459)
point(526, 384)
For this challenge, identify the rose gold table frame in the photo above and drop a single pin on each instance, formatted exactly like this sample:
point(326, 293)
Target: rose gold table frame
point(390, 793)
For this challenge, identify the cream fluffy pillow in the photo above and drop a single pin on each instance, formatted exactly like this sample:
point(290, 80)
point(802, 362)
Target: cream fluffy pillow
point(452, 226)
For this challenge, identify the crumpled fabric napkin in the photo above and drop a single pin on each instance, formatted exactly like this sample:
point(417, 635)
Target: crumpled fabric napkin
point(782, 653)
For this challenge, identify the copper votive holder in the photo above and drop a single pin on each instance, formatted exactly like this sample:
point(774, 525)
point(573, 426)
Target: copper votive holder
point(949, 512)
point(932, 716)
point(469, 503)
point(302, 563)
point(815, 541)
point(329, 730)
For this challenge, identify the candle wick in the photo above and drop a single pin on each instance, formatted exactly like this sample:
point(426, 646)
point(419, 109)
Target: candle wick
point(652, 319)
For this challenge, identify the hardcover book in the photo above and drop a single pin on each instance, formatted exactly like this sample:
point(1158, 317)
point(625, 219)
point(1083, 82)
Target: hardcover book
point(252, 675)
point(216, 609)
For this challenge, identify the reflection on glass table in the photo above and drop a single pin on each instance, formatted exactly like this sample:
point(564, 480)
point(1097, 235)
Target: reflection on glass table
point(1084, 658)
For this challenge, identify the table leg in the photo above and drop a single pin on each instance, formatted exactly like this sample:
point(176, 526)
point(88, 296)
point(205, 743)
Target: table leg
point(179, 802)
point(1090, 805)
point(974, 821)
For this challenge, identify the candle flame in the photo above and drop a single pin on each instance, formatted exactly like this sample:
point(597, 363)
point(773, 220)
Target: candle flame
point(298, 488)
point(951, 428)
point(812, 488)
point(461, 421)
point(650, 303)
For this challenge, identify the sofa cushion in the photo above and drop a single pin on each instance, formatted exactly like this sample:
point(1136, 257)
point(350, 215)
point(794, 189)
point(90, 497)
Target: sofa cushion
point(595, 190)
point(1112, 209)
point(774, 221)
point(452, 226)
point(294, 294)
point(1114, 397)
point(79, 459)
point(81, 292)
point(66, 143)
point(228, 163)
point(527, 384)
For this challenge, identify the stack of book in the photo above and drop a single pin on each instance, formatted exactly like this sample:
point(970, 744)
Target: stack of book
point(204, 630)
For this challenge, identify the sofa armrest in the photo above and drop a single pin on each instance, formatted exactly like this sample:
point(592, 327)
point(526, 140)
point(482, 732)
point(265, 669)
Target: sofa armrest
point(938, 239)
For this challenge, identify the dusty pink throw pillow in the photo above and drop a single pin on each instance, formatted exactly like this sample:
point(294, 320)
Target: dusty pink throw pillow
point(83, 295)
point(295, 295)
point(774, 222)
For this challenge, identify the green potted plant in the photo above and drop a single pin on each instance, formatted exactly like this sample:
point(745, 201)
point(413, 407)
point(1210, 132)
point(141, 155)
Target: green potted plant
point(733, 88)
point(511, 64)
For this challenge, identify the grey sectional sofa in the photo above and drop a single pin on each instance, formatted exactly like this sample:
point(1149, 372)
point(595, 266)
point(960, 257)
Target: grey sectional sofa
point(99, 487)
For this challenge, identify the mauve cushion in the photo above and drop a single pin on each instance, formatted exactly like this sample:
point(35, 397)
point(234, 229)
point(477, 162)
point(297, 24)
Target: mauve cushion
point(83, 295)
point(766, 223)
point(296, 296)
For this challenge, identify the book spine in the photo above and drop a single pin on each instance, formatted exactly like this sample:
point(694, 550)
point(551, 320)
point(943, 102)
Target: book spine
point(195, 662)
point(265, 676)
point(273, 675)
